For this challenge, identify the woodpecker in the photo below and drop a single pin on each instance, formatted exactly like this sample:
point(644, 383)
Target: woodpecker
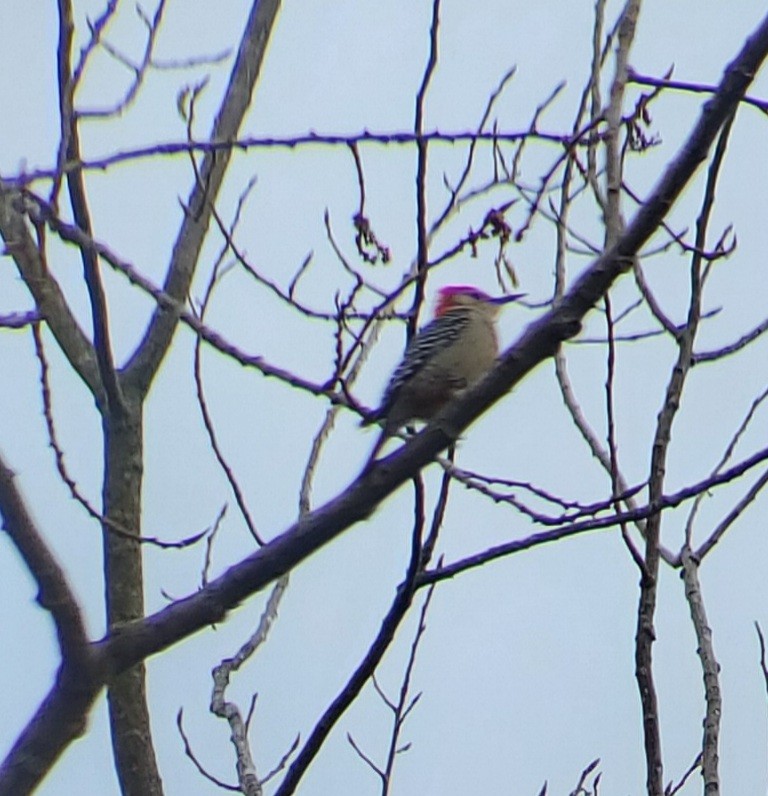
point(456, 348)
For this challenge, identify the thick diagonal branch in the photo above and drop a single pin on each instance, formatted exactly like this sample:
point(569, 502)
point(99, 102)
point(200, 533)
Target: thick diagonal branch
point(143, 365)
point(77, 682)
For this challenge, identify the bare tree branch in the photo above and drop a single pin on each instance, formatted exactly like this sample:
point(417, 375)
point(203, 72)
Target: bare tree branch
point(143, 364)
point(49, 299)
point(78, 680)
point(711, 672)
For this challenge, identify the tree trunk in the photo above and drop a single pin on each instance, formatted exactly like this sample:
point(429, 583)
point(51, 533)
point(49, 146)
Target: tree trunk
point(124, 585)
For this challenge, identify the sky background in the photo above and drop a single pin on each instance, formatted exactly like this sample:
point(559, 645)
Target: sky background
point(527, 665)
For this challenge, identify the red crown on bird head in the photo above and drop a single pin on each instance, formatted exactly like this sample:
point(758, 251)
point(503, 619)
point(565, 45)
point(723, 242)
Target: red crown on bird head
point(446, 297)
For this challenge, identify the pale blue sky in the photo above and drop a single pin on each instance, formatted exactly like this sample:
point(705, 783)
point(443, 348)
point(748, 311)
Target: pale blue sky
point(527, 665)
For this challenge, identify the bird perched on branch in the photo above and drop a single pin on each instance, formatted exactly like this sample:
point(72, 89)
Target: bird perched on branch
point(456, 348)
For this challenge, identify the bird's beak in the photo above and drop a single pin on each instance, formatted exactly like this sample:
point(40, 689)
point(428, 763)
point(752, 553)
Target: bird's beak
point(507, 299)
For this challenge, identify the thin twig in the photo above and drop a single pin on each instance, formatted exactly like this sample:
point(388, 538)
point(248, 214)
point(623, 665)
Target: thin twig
point(74, 490)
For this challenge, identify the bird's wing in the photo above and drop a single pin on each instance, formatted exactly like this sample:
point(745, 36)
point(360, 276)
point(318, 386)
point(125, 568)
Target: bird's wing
point(436, 336)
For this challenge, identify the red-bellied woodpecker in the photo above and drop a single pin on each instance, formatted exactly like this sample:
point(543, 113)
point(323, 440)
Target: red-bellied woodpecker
point(451, 352)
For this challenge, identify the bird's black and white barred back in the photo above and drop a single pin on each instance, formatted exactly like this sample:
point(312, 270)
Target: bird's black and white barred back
point(435, 336)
